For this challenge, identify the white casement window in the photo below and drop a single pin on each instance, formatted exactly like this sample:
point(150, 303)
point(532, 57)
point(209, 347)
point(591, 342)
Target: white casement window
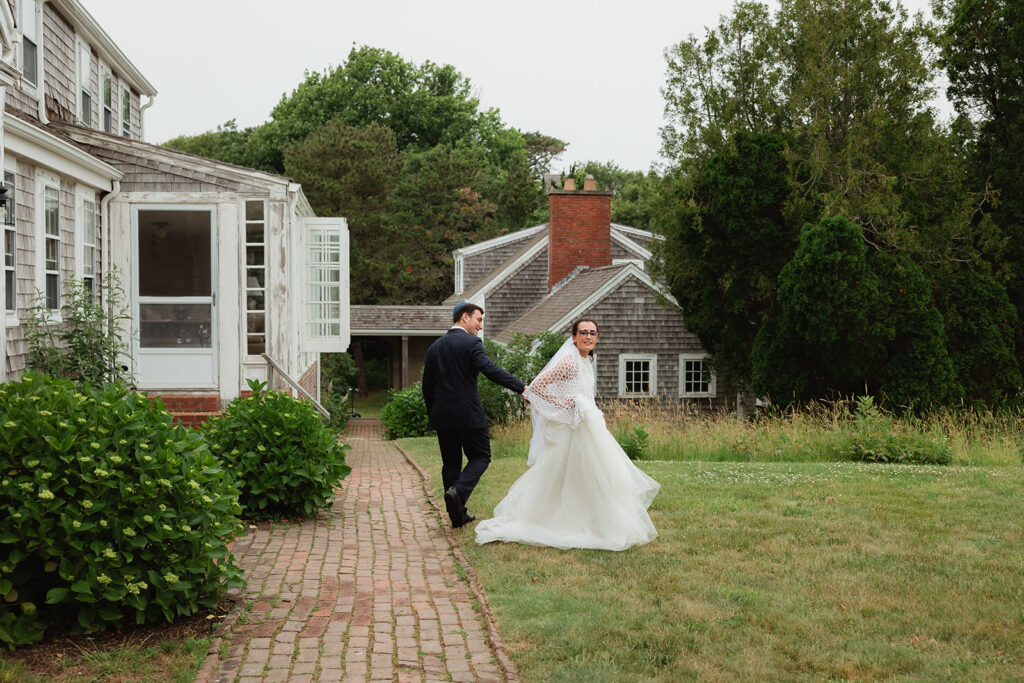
point(326, 286)
point(10, 245)
point(696, 380)
point(30, 35)
point(87, 230)
point(458, 275)
point(126, 112)
point(107, 98)
point(255, 289)
point(638, 375)
point(85, 84)
point(51, 246)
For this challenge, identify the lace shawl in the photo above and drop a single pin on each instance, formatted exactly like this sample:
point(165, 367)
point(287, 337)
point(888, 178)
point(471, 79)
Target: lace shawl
point(559, 394)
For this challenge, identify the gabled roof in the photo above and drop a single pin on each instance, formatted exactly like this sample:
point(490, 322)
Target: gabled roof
point(579, 293)
point(153, 168)
point(400, 320)
point(498, 274)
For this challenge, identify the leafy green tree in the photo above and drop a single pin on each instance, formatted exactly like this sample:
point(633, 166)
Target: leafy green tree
point(351, 171)
point(227, 143)
point(826, 337)
point(727, 240)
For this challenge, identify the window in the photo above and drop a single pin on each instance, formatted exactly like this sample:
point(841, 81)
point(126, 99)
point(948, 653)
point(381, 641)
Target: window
point(51, 246)
point(85, 84)
point(638, 375)
point(89, 244)
point(29, 42)
point(458, 275)
point(325, 300)
point(126, 112)
point(696, 380)
point(10, 246)
point(255, 278)
point(108, 101)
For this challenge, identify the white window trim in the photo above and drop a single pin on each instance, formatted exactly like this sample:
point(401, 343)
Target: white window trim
point(245, 288)
point(84, 82)
point(115, 123)
point(26, 86)
point(712, 391)
point(44, 180)
point(652, 358)
point(314, 337)
point(458, 274)
point(11, 316)
point(82, 195)
point(125, 120)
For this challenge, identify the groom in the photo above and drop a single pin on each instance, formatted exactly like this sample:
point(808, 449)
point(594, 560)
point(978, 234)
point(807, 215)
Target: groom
point(454, 409)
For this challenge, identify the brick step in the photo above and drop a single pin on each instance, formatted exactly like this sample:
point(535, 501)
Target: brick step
point(189, 402)
point(193, 419)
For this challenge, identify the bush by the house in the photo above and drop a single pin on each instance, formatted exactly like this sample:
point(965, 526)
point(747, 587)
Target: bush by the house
point(109, 513)
point(405, 413)
point(521, 360)
point(285, 460)
point(338, 379)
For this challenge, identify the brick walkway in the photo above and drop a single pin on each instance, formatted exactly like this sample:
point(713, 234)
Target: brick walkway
point(368, 591)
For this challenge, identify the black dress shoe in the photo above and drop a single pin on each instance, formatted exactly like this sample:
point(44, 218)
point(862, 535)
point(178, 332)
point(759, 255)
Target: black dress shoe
point(469, 518)
point(456, 511)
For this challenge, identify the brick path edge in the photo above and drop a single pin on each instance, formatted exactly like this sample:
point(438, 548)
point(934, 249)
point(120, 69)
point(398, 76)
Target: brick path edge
point(497, 644)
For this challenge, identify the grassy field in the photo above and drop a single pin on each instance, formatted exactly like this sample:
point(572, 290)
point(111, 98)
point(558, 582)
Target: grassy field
point(370, 405)
point(772, 570)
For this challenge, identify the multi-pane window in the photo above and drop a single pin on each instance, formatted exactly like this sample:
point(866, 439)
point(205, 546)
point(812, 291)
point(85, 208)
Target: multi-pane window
point(323, 283)
point(29, 42)
point(255, 278)
point(638, 375)
point(85, 83)
point(126, 112)
point(10, 246)
point(51, 246)
point(89, 244)
point(108, 101)
point(696, 379)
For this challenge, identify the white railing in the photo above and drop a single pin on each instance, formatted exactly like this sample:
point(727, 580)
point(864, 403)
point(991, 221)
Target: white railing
point(273, 367)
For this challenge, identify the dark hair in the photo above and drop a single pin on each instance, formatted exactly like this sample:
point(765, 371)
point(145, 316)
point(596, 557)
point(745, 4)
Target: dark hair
point(576, 329)
point(463, 310)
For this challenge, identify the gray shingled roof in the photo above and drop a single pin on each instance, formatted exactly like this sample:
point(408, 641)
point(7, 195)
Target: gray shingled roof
point(149, 167)
point(556, 305)
point(387, 320)
point(488, 279)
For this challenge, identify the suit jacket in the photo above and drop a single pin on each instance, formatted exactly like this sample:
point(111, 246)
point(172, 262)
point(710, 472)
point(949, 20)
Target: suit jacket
point(449, 381)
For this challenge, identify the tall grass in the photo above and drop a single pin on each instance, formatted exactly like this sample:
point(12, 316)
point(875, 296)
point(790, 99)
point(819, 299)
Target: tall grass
point(824, 432)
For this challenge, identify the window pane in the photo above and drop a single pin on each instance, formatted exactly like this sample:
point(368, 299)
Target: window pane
point(174, 326)
point(254, 233)
point(254, 210)
point(9, 282)
point(86, 109)
point(126, 112)
point(174, 253)
point(52, 293)
point(30, 68)
point(108, 94)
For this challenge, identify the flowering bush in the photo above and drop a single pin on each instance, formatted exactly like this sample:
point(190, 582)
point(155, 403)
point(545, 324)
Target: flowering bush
point(285, 459)
point(108, 512)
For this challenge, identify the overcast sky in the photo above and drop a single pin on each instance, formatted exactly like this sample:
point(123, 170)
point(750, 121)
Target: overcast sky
point(588, 73)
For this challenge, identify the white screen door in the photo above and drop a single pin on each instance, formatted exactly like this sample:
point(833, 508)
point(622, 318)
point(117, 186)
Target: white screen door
point(174, 286)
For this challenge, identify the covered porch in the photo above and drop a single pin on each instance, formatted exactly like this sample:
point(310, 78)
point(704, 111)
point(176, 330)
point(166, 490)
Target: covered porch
point(399, 335)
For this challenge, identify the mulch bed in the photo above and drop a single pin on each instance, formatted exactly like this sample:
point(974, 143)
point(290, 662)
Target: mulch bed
point(44, 659)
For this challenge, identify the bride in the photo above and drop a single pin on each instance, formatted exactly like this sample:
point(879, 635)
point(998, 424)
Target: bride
point(581, 490)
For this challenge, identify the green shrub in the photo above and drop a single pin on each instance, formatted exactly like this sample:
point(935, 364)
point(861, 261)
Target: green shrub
point(108, 511)
point(405, 413)
point(285, 460)
point(338, 402)
point(87, 345)
point(500, 405)
point(878, 437)
point(634, 442)
point(338, 379)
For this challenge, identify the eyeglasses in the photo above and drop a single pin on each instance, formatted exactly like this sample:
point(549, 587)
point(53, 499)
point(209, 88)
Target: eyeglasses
point(591, 333)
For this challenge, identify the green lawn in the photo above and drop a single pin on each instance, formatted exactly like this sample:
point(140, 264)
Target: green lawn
point(370, 405)
point(803, 571)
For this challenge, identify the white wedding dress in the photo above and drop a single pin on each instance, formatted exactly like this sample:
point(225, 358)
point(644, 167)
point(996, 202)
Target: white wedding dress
point(581, 490)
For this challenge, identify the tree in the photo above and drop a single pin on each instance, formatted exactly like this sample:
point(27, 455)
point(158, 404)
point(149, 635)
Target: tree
point(227, 143)
point(727, 240)
point(351, 171)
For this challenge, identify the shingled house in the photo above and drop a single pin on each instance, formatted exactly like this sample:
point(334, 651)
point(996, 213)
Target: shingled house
point(545, 277)
point(221, 264)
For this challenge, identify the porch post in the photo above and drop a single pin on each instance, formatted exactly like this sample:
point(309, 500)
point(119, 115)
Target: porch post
point(405, 361)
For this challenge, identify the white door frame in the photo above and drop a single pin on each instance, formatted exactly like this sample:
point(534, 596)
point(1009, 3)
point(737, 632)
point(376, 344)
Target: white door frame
point(200, 358)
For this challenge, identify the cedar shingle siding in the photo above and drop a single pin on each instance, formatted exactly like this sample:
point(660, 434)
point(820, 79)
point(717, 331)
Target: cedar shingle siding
point(517, 293)
point(475, 266)
point(59, 65)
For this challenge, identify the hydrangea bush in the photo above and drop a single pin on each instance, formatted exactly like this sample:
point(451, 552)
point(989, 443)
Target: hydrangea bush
point(285, 459)
point(108, 511)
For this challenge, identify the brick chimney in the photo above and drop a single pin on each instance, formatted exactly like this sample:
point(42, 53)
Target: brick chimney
point(580, 226)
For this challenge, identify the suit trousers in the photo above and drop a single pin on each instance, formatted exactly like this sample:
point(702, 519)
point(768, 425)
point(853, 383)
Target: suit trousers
point(477, 446)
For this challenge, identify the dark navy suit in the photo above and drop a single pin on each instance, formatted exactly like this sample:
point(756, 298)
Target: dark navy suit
point(453, 405)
